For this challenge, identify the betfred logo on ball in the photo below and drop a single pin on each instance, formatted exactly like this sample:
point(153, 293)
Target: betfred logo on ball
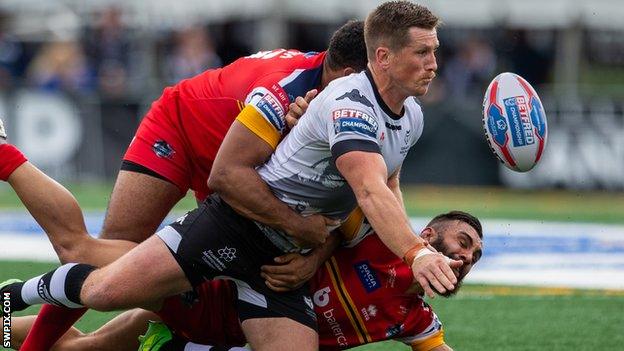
point(514, 122)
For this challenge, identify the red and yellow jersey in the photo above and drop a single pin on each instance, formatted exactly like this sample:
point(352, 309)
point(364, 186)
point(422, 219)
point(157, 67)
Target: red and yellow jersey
point(361, 295)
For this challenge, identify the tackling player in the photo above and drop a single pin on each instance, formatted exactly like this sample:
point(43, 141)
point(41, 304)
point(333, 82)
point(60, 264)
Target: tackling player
point(367, 145)
point(176, 143)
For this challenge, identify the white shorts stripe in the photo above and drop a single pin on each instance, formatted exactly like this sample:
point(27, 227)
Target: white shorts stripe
point(171, 237)
point(249, 295)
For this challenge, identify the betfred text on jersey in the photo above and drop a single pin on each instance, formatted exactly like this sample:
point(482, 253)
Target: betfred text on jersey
point(352, 120)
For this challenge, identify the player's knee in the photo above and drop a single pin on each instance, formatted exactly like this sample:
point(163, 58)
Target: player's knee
point(103, 294)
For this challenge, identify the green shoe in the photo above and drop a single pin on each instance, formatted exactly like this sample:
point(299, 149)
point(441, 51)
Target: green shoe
point(9, 282)
point(156, 336)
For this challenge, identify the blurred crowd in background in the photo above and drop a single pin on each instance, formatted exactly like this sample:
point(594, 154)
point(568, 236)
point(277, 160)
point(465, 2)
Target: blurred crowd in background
point(106, 57)
point(110, 71)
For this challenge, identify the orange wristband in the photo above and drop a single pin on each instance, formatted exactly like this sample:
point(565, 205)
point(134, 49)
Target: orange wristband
point(409, 256)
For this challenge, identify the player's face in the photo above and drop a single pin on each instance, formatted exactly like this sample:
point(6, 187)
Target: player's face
point(459, 241)
point(413, 67)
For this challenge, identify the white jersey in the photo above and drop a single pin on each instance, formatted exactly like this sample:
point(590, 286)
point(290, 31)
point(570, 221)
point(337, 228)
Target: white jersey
point(349, 115)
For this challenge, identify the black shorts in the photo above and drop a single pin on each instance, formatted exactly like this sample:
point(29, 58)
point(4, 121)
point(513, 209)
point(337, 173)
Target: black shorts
point(213, 241)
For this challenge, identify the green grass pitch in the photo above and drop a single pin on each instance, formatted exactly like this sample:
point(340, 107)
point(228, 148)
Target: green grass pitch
point(480, 317)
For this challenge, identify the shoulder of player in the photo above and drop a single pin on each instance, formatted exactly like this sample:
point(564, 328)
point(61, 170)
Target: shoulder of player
point(350, 91)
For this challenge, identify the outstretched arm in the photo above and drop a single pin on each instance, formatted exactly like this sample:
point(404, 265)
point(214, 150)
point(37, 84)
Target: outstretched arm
point(367, 175)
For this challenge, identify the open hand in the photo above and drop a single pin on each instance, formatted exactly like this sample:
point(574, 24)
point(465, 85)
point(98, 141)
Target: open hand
point(435, 271)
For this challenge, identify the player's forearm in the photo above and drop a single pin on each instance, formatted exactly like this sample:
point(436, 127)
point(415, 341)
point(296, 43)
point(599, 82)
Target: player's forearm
point(325, 251)
point(244, 190)
point(394, 185)
point(53, 207)
point(387, 217)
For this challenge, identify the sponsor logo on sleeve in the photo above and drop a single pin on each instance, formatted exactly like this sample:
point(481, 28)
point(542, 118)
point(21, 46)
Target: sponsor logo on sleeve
point(272, 110)
point(281, 95)
point(162, 149)
point(355, 96)
point(367, 276)
point(356, 121)
point(519, 120)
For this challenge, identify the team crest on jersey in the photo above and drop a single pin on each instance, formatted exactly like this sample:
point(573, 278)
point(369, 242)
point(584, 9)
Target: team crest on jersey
point(369, 312)
point(367, 276)
point(162, 149)
point(355, 96)
point(357, 121)
point(407, 136)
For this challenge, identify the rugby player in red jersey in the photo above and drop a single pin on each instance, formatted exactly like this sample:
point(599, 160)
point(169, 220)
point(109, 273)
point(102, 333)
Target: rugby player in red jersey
point(177, 141)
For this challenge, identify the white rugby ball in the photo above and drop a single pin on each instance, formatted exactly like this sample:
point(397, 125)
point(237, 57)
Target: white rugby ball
point(515, 122)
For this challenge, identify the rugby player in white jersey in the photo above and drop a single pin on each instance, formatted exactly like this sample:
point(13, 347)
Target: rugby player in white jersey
point(347, 151)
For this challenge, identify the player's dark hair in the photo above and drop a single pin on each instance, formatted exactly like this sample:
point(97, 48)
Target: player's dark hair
point(389, 23)
point(465, 217)
point(347, 48)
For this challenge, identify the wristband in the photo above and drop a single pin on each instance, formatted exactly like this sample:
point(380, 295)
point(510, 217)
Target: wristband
point(412, 253)
point(10, 159)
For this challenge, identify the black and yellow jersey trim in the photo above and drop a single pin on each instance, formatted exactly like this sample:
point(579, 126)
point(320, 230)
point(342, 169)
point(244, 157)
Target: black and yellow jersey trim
point(350, 228)
point(346, 301)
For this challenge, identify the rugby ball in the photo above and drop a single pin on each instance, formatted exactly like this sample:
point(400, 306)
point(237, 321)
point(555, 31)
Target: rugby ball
point(514, 121)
